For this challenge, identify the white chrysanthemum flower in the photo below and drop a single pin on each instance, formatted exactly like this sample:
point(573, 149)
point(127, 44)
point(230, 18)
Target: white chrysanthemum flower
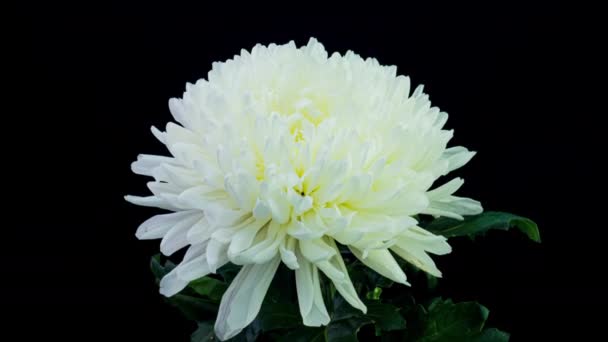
point(284, 152)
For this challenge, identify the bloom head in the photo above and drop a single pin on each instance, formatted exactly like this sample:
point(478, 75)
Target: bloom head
point(284, 152)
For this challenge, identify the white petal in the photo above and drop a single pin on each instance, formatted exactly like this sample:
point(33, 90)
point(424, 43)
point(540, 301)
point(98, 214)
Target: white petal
point(242, 301)
point(407, 203)
point(181, 176)
point(430, 242)
point(332, 271)
point(446, 189)
point(279, 209)
point(300, 204)
point(152, 201)
point(202, 196)
point(317, 250)
point(176, 237)
point(243, 238)
point(194, 251)
point(216, 254)
point(224, 235)
point(194, 269)
point(454, 207)
point(343, 284)
point(171, 284)
point(414, 245)
point(457, 157)
point(160, 189)
point(220, 216)
point(308, 227)
point(194, 265)
point(187, 153)
point(243, 188)
point(355, 187)
point(157, 226)
point(381, 261)
point(176, 107)
point(176, 134)
point(200, 232)
point(348, 237)
point(265, 247)
point(145, 163)
point(442, 203)
point(288, 256)
point(269, 252)
point(461, 205)
point(310, 299)
point(261, 211)
point(418, 257)
point(158, 134)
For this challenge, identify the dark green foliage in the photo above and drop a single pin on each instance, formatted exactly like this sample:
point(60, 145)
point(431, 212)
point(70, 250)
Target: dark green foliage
point(479, 224)
point(392, 312)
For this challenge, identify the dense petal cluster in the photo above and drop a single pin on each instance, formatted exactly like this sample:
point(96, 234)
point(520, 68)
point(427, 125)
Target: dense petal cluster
point(283, 153)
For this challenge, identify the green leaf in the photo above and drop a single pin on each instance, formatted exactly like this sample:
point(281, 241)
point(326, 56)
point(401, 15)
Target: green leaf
point(229, 271)
point(387, 308)
point(282, 288)
point(343, 310)
point(374, 294)
point(328, 290)
point(385, 316)
point(392, 336)
point(365, 278)
point(448, 321)
point(346, 330)
point(492, 335)
point(194, 308)
point(431, 281)
point(249, 334)
point(304, 334)
point(158, 269)
point(209, 287)
point(274, 316)
point(478, 224)
point(204, 333)
point(401, 299)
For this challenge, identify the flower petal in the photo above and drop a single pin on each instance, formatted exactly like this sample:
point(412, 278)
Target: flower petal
point(306, 228)
point(317, 250)
point(442, 203)
point(152, 201)
point(201, 196)
point(288, 256)
point(244, 237)
point(432, 243)
point(454, 207)
point(216, 255)
point(195, 268)
point(157, 226)
point(342, 283)
point(242, 300)
point(381, 261)
point(414, 245)
point(146, 163)
point(265, 247)
point(446, 189)
point(310, 299)
point(457, 157)
point(200, 232)
point(176, 237)
point(171, 284)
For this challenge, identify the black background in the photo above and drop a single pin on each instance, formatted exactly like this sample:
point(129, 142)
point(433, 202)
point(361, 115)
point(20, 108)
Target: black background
point(98, 77)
